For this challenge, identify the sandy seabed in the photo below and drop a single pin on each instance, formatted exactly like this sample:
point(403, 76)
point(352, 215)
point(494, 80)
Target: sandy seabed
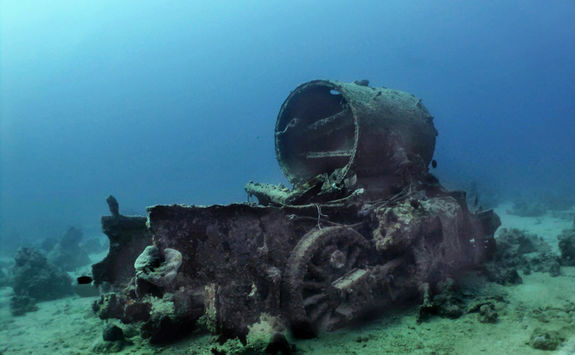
point(68, 326)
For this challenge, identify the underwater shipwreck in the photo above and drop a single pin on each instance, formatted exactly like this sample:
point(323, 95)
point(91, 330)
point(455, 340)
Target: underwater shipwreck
point(365, 228)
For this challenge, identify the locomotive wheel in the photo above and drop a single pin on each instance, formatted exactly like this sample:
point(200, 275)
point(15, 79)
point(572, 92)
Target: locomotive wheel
point(319, 260)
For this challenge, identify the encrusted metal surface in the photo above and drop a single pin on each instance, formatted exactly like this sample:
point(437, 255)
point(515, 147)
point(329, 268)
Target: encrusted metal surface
point(363, 233)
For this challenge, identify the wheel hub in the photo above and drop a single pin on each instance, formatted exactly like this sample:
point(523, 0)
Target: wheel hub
point(337, 259)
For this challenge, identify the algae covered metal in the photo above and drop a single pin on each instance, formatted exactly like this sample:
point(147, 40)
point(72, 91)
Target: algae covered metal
point(365, 227)
point(326, 126)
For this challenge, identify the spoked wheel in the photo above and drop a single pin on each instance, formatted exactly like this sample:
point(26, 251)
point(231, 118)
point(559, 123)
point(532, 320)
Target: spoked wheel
point(324, 269)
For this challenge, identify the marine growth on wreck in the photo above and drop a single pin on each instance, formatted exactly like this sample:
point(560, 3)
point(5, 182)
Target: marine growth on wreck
point(364, 229)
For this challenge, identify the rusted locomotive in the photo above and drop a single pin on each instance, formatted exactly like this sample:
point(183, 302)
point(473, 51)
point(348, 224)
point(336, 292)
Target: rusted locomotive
point(365, 226)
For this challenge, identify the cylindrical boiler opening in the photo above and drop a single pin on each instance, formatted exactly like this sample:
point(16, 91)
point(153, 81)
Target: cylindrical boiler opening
point(315, 132)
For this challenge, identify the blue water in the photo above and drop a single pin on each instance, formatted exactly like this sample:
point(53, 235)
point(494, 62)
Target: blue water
point(176, 101)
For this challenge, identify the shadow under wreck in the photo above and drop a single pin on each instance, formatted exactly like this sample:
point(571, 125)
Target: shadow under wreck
point(365, 227)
